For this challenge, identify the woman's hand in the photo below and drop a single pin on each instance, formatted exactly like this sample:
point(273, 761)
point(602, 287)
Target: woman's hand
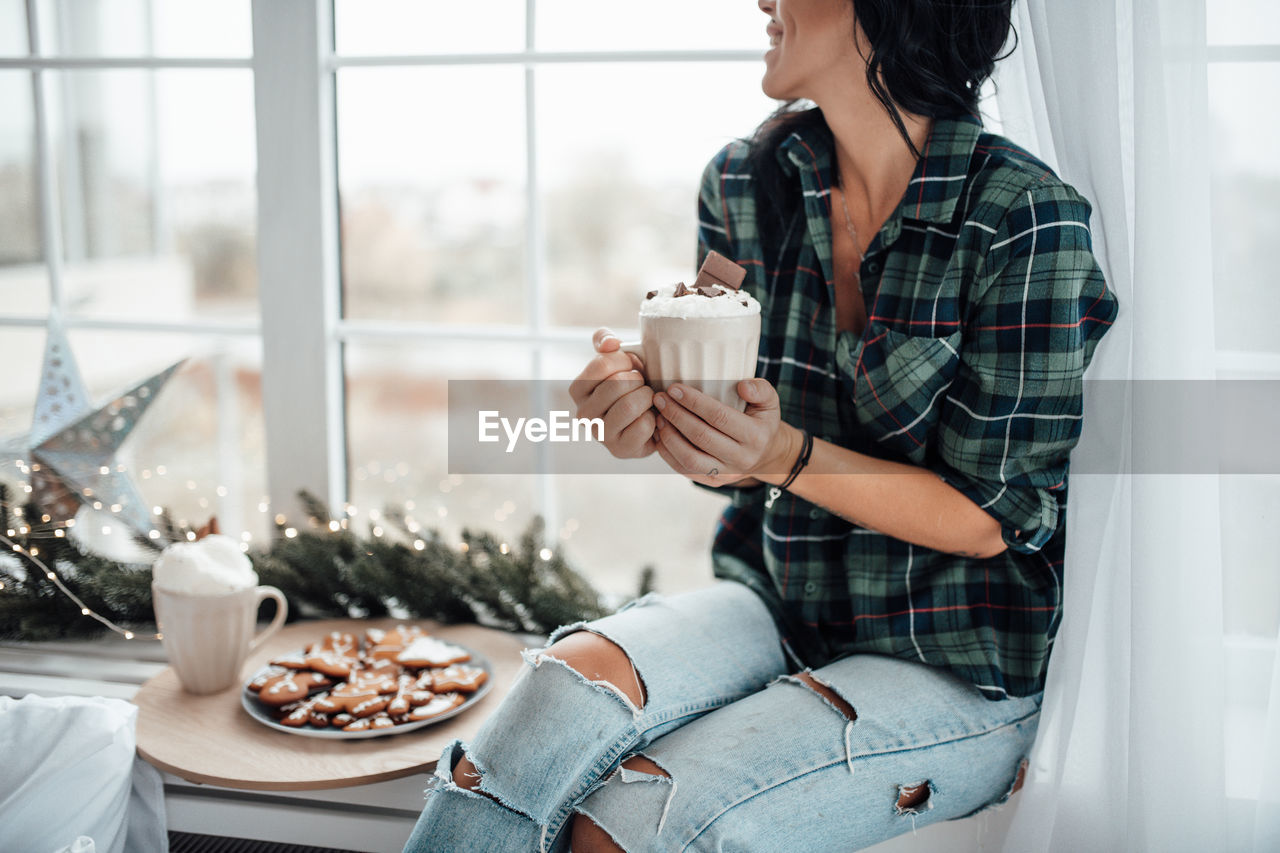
point(612, 387)
point(712, 444)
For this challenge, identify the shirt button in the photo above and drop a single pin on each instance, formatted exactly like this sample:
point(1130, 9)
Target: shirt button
point(873, 267)
point(810, 587)
point(815, 514)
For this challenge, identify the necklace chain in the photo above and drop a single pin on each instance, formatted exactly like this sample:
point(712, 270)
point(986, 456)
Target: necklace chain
point(853, 235)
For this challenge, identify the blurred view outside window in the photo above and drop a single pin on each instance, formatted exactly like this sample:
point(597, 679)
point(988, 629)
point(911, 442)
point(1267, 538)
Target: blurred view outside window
point(485, 196)
point(1244, 86)
point(130, 210)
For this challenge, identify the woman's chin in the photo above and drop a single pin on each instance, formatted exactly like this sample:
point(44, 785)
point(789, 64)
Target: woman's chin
point(769, 85)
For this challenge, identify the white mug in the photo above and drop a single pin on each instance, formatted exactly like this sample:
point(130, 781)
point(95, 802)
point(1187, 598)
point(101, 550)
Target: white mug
point(711, 354)
point(208, 637)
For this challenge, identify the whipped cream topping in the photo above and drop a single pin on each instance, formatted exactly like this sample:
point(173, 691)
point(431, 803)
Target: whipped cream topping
point(214, 565)
point(713, 300)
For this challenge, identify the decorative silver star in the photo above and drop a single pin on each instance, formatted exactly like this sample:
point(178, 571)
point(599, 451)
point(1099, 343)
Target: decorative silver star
point(69, 454)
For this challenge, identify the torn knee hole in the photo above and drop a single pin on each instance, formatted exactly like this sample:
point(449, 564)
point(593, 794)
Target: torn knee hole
point(466, 774)
point(599, 659)
point(913, 798)
point(1019, 779)
point(833, 698)
point(644, 764)
point(650, 772)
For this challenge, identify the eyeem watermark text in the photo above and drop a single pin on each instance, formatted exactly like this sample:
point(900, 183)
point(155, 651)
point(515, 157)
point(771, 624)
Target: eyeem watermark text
point(560, 426)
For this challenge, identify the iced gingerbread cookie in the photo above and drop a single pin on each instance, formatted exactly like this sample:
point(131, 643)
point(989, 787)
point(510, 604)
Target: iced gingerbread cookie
point(386, 645)
point(364, 724)
point(458, 678)
point(439, 704)
point(337, 642)
point(381, 682)
point(369, 707)
point(428, 651)
point(344, 697)
point(260, 680)
point(291, 687)
point(298, 717)
point(294, 660)
point(331, 663)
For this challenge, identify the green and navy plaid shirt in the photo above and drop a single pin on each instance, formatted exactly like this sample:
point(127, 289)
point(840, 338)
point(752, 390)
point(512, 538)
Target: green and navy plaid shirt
point(984, 305)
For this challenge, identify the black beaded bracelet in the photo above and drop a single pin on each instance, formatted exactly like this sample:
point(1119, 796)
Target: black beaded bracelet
point(806, 449)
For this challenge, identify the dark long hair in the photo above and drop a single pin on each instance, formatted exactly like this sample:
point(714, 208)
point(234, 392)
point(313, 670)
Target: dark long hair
point(928, 58)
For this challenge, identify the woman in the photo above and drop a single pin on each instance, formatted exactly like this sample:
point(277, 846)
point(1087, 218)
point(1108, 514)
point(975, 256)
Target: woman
point(874, 654)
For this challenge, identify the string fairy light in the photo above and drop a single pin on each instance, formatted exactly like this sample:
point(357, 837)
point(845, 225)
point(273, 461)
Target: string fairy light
point(85, 610)
point(343, 522)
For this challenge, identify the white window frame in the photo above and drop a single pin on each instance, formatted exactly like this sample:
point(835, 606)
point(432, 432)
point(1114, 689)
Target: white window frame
point(230, 504)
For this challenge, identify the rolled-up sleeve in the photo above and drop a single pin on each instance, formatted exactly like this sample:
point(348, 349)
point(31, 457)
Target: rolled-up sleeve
point(1008, 422)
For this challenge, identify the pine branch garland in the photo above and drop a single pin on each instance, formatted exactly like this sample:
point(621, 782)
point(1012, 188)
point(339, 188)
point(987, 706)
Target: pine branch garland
point(323, 573)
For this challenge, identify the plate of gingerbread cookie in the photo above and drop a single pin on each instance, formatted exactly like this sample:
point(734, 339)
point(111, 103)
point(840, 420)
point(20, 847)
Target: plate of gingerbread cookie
point(385, 683)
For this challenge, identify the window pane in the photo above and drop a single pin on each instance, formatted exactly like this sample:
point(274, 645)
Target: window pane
point(667, 523)
point(24, 288)
point(146, 28)
point(23, 349)
point(664, 25)
point(432, 175)
point(619, 175)
point(197, 451)
point(404, 27)
point(1245, 203)
point(611, 526)
point(1251, 579)
point(1242, 21)
point(397, 429)
point(200, 450)
point(13, 28)
point(157, 193)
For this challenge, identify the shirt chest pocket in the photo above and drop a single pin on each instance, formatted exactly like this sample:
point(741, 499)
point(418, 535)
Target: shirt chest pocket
point(895, 383)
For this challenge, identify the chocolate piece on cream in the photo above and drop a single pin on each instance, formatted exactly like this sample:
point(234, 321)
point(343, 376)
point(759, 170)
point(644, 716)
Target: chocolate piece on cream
point(681, 290)
point(651, 294)
point(717, 269)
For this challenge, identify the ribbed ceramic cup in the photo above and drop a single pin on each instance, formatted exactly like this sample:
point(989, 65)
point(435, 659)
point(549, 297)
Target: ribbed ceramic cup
point(712, 354)
point(208, 637)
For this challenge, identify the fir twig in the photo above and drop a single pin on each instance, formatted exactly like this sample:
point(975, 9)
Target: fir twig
point(323, 573)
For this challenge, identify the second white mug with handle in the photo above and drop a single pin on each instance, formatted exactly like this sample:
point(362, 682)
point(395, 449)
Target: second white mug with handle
point(711, 354)
point(208, 637)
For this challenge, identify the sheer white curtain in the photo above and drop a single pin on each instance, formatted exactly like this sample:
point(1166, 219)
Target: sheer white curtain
point(1113, 94)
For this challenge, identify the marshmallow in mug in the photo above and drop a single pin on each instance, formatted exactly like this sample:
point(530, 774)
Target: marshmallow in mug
point(214, 565)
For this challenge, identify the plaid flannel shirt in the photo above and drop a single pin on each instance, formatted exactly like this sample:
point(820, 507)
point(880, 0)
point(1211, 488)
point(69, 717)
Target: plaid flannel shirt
point(984, 305)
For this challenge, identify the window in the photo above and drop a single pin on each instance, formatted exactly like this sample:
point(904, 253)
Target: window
point(127, 164)
point(457, 192)
point(501, 197)
point(1244, 75)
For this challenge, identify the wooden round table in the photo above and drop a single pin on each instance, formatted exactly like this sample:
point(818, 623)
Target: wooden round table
point(213, 740)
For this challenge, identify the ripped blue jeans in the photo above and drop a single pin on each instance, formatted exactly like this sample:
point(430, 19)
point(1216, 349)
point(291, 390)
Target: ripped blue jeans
point(756, 758)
